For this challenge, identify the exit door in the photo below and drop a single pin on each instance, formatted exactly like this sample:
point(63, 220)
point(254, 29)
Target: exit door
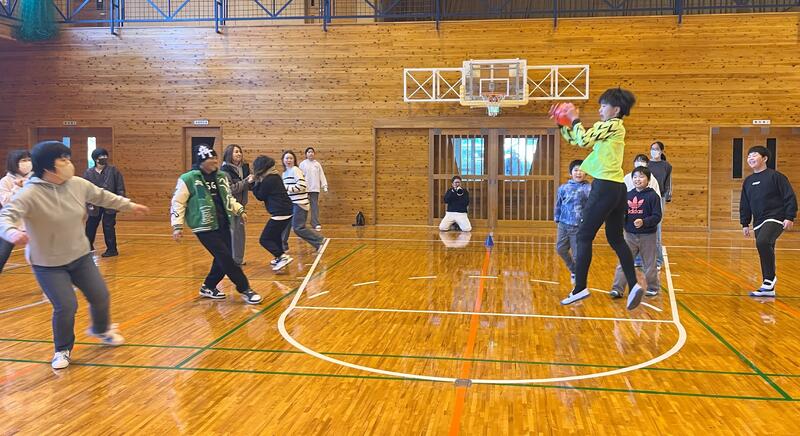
point(511, 175)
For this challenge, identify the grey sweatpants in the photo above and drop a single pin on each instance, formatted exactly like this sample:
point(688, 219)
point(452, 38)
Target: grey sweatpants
point(566, 244)
point(237, 239)
point(299, 217)
point(57, 281)
point(313, 200)
point(644, 245)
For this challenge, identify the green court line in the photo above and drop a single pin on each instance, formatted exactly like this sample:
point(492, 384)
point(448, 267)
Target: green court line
point(711, 294)
point(736, 352)
point(502, 361)
point(405, 356)
point(651, 392)
point(97, 344)
point(144, 276)
point(257, 314)
point(374, 377)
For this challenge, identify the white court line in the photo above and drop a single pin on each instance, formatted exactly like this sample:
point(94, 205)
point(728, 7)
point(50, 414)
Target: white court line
point(365, 283)
point(728, 247)
point(675, 348)
point(678, 289)
point(482, 277)
point(716, 247)
point(421, 277)
point(544, 281)
point(599, 290)
point(14, 309)
point(511, 315)
point(439, 241)
point(317, 295)
point(651, 306)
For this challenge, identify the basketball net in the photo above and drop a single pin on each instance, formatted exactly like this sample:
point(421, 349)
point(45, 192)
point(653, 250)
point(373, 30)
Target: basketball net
point(493, 103)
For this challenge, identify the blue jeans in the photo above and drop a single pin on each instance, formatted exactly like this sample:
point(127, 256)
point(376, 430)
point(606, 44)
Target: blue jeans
point(57, 281)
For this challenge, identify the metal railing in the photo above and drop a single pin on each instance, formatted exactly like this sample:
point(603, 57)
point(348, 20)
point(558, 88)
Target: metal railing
point(117, 13)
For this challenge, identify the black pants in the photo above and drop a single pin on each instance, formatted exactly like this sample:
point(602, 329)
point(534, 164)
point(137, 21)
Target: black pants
point(5, 252)
point(272, 236)
point(109, 232)
point(766, 235)
point(606, 204)
point(218, 243)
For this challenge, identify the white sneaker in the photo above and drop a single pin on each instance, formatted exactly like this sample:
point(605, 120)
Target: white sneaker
point(635, 297)
point(110, 337)
point(767, 288)
point(318, 228)
point(60, 359)
point(573, 297)
point(284, 260)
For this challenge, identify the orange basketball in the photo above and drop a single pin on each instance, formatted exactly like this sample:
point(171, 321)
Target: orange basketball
point(559, 113)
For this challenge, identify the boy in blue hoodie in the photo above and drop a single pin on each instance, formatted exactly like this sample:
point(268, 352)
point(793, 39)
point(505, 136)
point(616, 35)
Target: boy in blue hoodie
point(570, 200)
point(641, 223)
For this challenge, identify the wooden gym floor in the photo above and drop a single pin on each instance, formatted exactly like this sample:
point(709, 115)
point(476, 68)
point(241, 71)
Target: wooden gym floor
point(384, 301)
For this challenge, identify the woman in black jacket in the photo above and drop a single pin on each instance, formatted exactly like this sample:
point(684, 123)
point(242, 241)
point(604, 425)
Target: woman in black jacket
point(269, 189)
point(240, 181)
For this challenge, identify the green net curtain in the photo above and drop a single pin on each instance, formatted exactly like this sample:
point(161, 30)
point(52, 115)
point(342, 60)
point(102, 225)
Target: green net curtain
point(38, 20)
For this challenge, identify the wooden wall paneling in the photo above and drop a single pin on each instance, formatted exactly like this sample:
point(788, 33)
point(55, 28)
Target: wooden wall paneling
point(402, 176)
point(279, 87)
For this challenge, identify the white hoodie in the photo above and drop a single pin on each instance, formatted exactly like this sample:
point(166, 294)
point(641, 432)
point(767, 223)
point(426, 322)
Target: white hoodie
point(315, 177)
point(54, 218)
point(9, 187)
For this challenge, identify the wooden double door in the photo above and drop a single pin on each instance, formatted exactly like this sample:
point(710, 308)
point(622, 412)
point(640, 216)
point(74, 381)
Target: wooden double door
point(511, 175)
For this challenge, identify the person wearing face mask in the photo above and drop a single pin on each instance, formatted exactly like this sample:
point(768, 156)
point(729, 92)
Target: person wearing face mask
point(52, 206)
point(19, 166)
point(662, 172)
point(108, 177)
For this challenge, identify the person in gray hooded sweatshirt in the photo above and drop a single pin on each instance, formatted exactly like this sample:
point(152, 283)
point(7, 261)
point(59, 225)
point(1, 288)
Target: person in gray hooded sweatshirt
point(52, 206)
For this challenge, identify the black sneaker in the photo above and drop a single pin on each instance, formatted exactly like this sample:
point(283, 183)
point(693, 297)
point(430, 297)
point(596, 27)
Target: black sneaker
point(109, 254)
point(214, 293)
point(250, 297)
point(616, 293)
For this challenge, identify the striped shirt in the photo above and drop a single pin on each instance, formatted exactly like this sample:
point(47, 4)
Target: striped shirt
point(295, 184)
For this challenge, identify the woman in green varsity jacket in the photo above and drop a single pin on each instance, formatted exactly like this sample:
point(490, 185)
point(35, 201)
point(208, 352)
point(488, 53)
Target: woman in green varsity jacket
point(203, 201)
point(607, 200)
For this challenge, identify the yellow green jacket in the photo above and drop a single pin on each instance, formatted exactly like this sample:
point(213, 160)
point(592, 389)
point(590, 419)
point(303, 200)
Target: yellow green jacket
point(607, 140)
